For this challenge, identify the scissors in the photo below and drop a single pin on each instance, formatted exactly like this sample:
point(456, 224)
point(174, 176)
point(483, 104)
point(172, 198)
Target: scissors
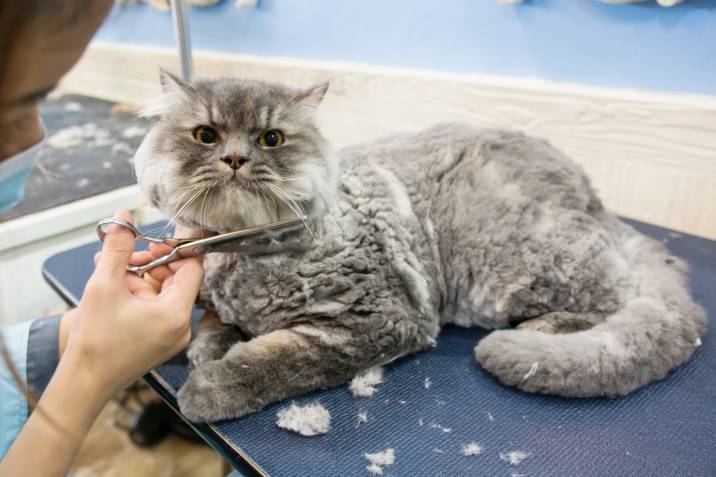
point(185, 248)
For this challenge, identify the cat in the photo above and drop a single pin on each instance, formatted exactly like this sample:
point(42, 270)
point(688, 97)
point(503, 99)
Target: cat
point(451, 225)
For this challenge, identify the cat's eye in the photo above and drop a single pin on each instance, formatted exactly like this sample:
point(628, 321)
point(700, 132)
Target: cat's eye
point(271, 138)
point(206, 135)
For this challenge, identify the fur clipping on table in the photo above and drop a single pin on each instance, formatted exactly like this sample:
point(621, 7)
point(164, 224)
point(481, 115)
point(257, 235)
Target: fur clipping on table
point(364, 384)
point(308, 420)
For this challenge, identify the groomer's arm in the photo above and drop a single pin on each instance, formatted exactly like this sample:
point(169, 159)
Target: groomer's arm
point(123, 327)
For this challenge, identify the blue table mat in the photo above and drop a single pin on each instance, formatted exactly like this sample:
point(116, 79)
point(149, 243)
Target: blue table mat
point(664, 429)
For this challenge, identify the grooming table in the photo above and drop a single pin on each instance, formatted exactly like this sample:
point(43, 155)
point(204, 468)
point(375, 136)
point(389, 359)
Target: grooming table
point(665, 429)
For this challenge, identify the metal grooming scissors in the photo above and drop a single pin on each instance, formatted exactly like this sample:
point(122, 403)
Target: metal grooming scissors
point(185, 248)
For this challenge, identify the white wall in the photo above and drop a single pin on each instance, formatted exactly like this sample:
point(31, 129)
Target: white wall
point(651, 156)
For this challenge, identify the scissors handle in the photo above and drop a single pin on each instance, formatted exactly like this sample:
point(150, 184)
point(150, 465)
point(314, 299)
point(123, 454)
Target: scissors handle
point(104, 225)
point(142, 269)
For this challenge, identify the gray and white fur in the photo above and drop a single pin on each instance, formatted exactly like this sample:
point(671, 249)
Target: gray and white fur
point(453, 224)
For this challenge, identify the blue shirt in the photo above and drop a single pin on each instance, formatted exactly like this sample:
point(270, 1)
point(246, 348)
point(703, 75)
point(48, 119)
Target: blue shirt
point(33, 348)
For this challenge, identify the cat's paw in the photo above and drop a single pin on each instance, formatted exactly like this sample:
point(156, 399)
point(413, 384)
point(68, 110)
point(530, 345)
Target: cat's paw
point(214, 392)
point(204, 349)
point(212, 340)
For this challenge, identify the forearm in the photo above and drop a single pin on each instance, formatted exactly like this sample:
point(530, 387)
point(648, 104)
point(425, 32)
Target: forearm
point(66, 324)
point(118, 312)
point(53, 434)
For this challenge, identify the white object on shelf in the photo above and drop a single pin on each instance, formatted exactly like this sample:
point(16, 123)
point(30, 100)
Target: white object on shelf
point(663, 3)
point(246, 3)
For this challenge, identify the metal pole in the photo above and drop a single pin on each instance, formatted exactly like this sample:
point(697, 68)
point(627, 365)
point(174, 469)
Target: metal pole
point(180, 18)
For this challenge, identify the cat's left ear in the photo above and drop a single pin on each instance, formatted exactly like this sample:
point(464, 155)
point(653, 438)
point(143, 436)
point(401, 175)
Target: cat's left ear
point(312, 97)
point(174, 91)
point(171, 83)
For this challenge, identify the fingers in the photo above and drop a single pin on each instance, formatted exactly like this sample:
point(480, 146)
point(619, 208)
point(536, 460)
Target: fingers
point(155, 251)
point(159, 274)
point(117, 248)
point(141, 287)
point(183, 287)
point(159, 250)
point(178, 264)
point(141, 257)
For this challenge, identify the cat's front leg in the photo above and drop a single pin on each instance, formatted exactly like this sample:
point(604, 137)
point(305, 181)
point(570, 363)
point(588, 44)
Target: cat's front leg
point(279, 365)
point(212, 339)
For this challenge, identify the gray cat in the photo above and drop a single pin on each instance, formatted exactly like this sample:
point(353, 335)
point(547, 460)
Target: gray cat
point(450, 225)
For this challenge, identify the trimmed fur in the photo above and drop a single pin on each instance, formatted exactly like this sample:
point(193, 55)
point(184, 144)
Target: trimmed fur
point(450, 225)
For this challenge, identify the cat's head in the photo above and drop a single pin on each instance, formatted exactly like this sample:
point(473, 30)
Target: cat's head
point(228, 153)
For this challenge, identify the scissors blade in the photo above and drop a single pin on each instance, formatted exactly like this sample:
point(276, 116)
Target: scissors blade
point(241, 239)
point(228, 242)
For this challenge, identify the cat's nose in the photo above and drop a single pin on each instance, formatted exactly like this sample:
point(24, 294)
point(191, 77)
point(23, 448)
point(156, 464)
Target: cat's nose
point(235, 162)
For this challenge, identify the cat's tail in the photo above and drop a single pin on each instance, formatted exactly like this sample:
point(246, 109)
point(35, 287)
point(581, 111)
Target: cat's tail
point(658, 328)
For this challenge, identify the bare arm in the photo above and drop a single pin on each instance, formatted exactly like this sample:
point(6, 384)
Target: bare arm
point(73, 399)
point(123, 327)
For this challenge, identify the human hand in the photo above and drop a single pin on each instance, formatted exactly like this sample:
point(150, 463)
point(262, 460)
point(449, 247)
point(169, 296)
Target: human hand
point(157, 275)
point(126, 325)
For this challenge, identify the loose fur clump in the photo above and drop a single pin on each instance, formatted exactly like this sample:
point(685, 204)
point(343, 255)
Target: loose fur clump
point(471, 449)
point(380, 460)
point(364, 384)
point(308, 420)
point(457, 225)
point(514, 457)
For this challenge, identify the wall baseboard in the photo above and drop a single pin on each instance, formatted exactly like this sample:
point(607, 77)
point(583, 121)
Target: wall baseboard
point(64, 218)
point(651, 155)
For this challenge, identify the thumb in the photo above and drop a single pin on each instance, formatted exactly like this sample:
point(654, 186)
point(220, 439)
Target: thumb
point(184, 285)
point(117, 248)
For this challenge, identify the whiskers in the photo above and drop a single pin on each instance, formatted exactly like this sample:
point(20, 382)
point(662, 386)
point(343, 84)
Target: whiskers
point(274, 190)
point(202, 210)
point(191, 193)
point(251, 201)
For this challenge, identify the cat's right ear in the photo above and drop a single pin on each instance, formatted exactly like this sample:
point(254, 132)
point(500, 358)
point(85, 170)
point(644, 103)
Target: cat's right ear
point(309, 99)
point(313, 96)
point(174, 90)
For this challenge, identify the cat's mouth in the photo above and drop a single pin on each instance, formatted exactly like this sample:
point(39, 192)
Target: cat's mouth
point(234, 201)
point(235, 176)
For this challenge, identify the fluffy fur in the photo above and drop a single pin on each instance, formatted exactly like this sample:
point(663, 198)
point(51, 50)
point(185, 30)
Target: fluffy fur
point(379, 461)
point(450, 225)
point(364, 384)
point(308, 420)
